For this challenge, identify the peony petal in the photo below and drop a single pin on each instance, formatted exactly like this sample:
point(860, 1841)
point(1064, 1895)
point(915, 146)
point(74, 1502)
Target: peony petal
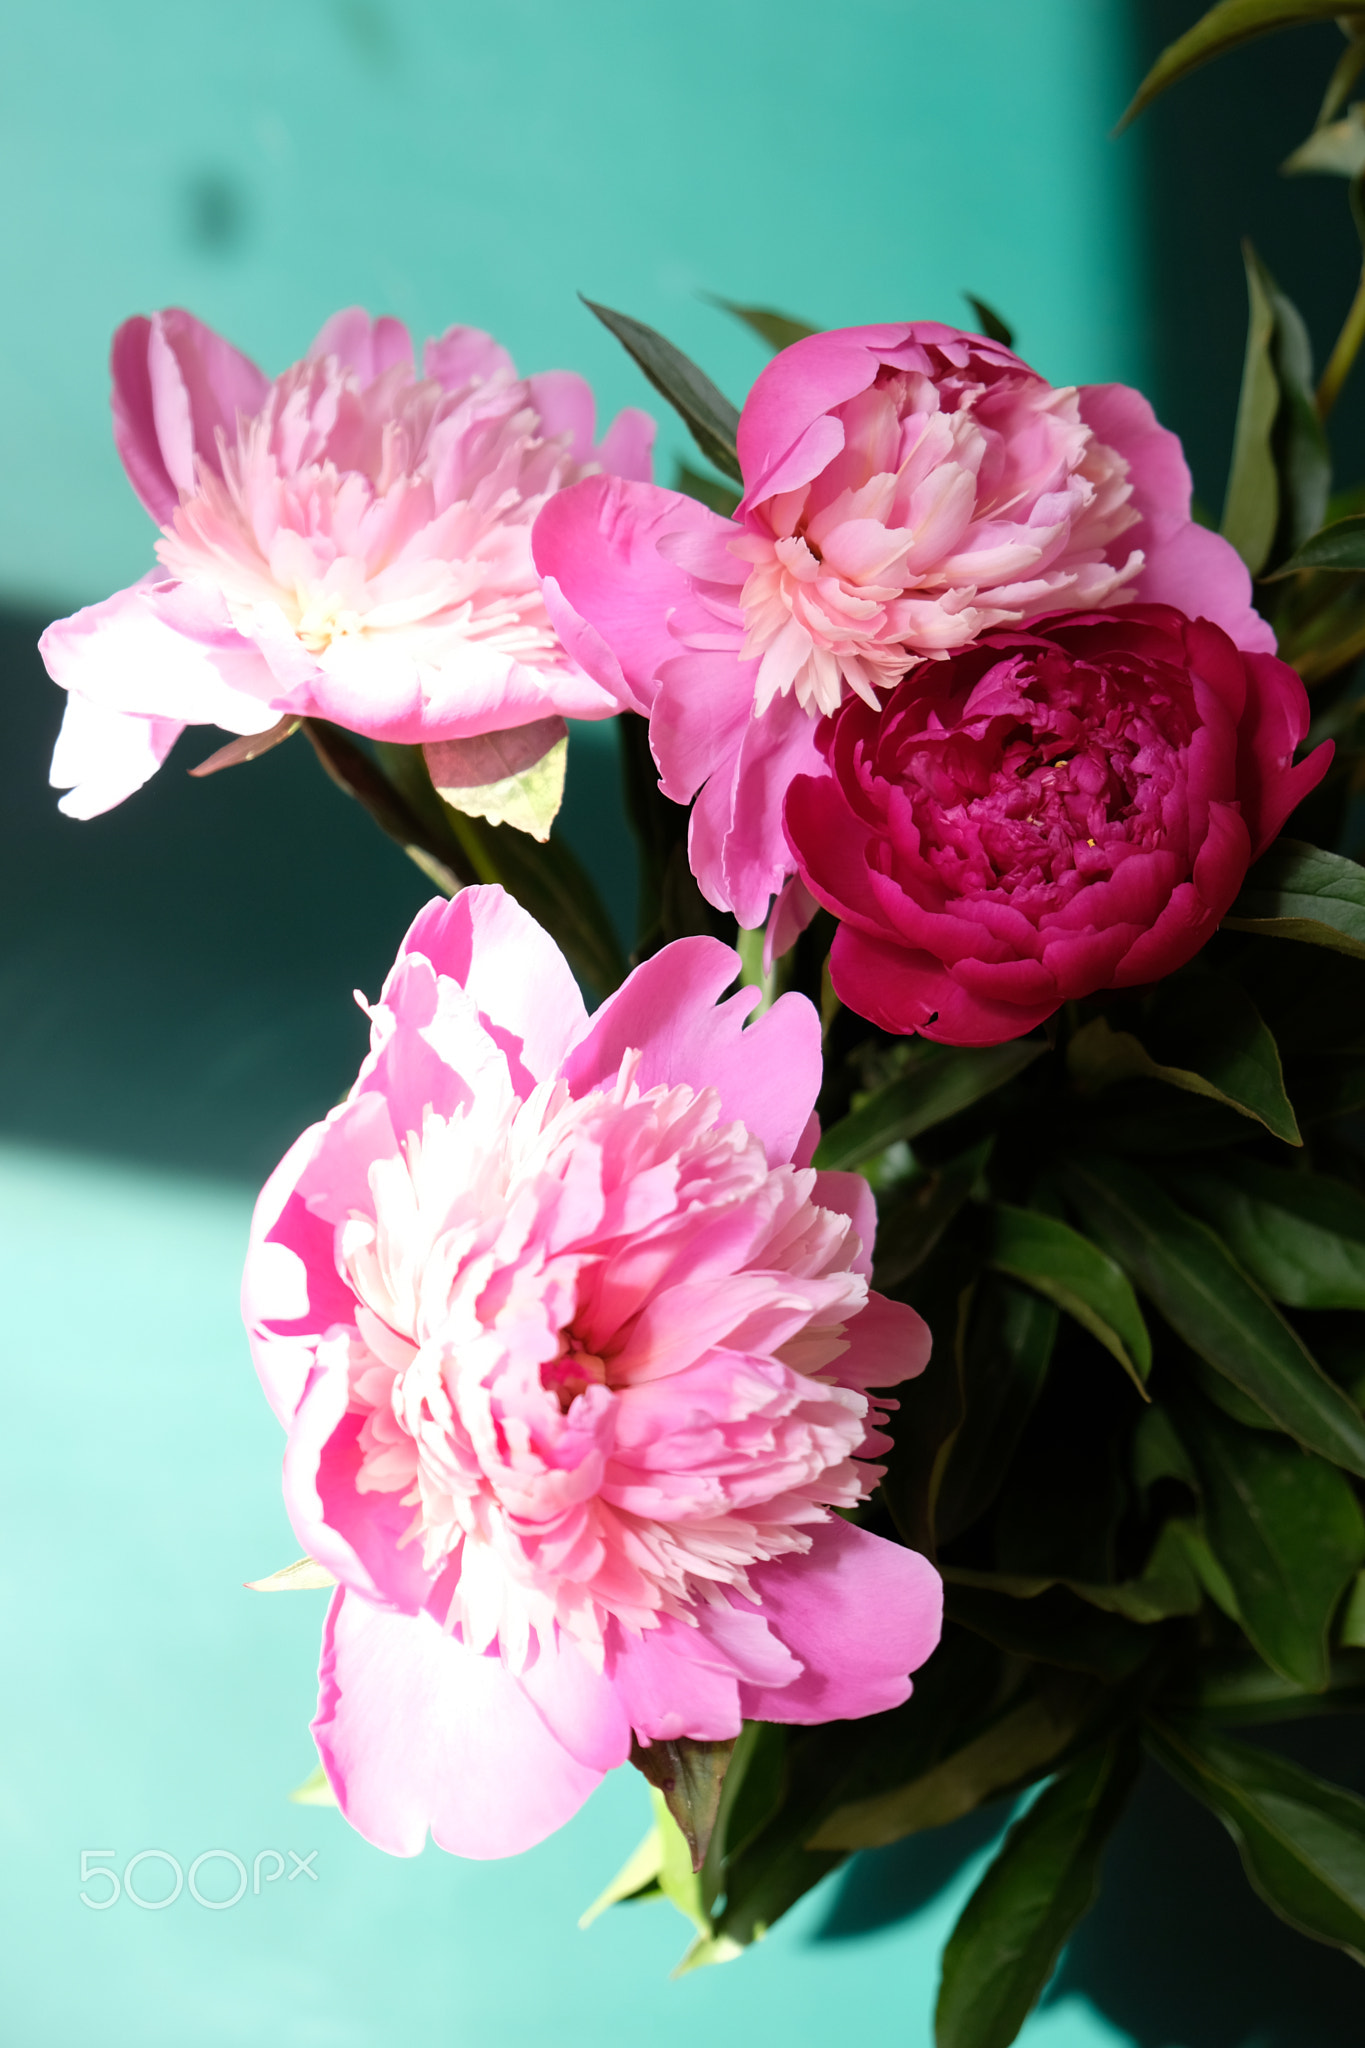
point(767, 1075)
point(164, 651)
point(102, 756)
point(416, 1731)
point(369, 347)
point(859, 1612)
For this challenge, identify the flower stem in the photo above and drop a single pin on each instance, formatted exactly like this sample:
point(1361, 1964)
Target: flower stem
point(356, 772)
point(1344, 353)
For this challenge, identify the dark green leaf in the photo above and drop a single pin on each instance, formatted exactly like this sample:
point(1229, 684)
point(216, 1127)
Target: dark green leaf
point(1225, 26)
point(1203, 1293)
point(1044, 1878)
point(711, 491)
point(930, 1413)
point(1286, 1529)
point(1301, 1235)
point(546, 880)
point(915, 1214)
point(1251, 506)
point(1056, 1627)
point(1056, 1260)
point(1245, 1691)
point(1297, 891)
point(989, 321)
point(945, 1082)
point(1006, 1350)
point(1149, 1117)
point(779, 330)
point(1024, 1740)
point(1169, 1584)
point(1302, 1841)
point(1202, 1034)
point(709, 415)
point(1281, 473)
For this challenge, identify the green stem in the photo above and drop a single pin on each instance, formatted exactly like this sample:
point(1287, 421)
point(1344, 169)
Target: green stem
point(360, 776)
point(1344, 353)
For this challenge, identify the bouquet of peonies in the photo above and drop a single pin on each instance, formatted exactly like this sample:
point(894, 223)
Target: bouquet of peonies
point(938, 1251)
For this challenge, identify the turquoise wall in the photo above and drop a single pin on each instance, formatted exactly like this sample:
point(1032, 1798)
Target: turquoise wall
point(175, 978)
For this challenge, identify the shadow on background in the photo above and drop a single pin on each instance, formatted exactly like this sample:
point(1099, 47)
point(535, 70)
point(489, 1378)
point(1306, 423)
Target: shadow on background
point(176, 977)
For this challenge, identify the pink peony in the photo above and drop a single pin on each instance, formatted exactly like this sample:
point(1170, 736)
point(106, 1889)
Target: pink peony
point(573, 1350)
point(1051, 812)
point(350, 542)
point(907, 489)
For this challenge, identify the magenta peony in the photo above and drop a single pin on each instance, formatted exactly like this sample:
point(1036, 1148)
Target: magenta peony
point(907, 488)
point(351, 541)
point(573, 1349)
point(1056, 810)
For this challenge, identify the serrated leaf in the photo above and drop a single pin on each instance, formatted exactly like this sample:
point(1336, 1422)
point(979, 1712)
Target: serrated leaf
point(1050, 1256)
point(306, 1575)
point(1204, 1035)
point(1286, 1529)
point(1301, 1840)
point(941, 1085)
point(511, 778)
point(779, 330)
point(1223, 28)
point(709, 416)
point(1297, 891)
point(1024, 1741)
point(991, 325)
point(1187, 1271)
point(1043, 1880)
point(1301, 1236)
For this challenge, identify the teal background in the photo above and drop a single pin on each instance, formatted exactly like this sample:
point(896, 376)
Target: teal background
point(175, 978)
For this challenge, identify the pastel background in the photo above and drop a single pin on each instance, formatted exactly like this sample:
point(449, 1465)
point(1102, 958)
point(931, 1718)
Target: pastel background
point(175, 978)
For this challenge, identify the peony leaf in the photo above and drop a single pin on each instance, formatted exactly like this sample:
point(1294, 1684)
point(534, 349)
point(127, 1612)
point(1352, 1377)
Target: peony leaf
point(1193, 1279)
point(916, 1213)
point(248, 748)
point(1286, 1529)
point(510, 778)
point(708, 414)
point(1351, 1632)
point(1054, 1627)
point(1050, 1256)
point(1169, 1585)
point(1337, 149)
point(1044, 1879)
point(1245, 1691)
point(1251, 503)
point(1019, 1746)
point(1339, 546)
point(303, 1576)
point(638, 1878)
point(314, 1791)
point(1222, 29)
point(707, 490)
point(779, 330)
point(548, 881)
point(1006, 1351)
point(1204, 1035)
point(989, 321)
point(1301, 1236)
point(1297, 891)
point(689, 1776)
point(939, 1086)
point(1301, 1840)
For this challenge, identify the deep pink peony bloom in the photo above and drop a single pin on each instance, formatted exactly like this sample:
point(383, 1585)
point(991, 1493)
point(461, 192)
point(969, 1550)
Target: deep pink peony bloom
point(573, 1350)
point(907, 488)
point(1054, 811)
point(351, 541)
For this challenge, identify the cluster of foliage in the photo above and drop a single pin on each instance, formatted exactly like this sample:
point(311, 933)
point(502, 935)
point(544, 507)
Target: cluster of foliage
point(1138, 1235)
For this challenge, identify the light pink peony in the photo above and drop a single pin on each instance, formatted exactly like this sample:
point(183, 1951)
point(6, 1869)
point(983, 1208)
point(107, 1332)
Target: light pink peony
point(573, 1350)
point(351, 541)
point(907, 489)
